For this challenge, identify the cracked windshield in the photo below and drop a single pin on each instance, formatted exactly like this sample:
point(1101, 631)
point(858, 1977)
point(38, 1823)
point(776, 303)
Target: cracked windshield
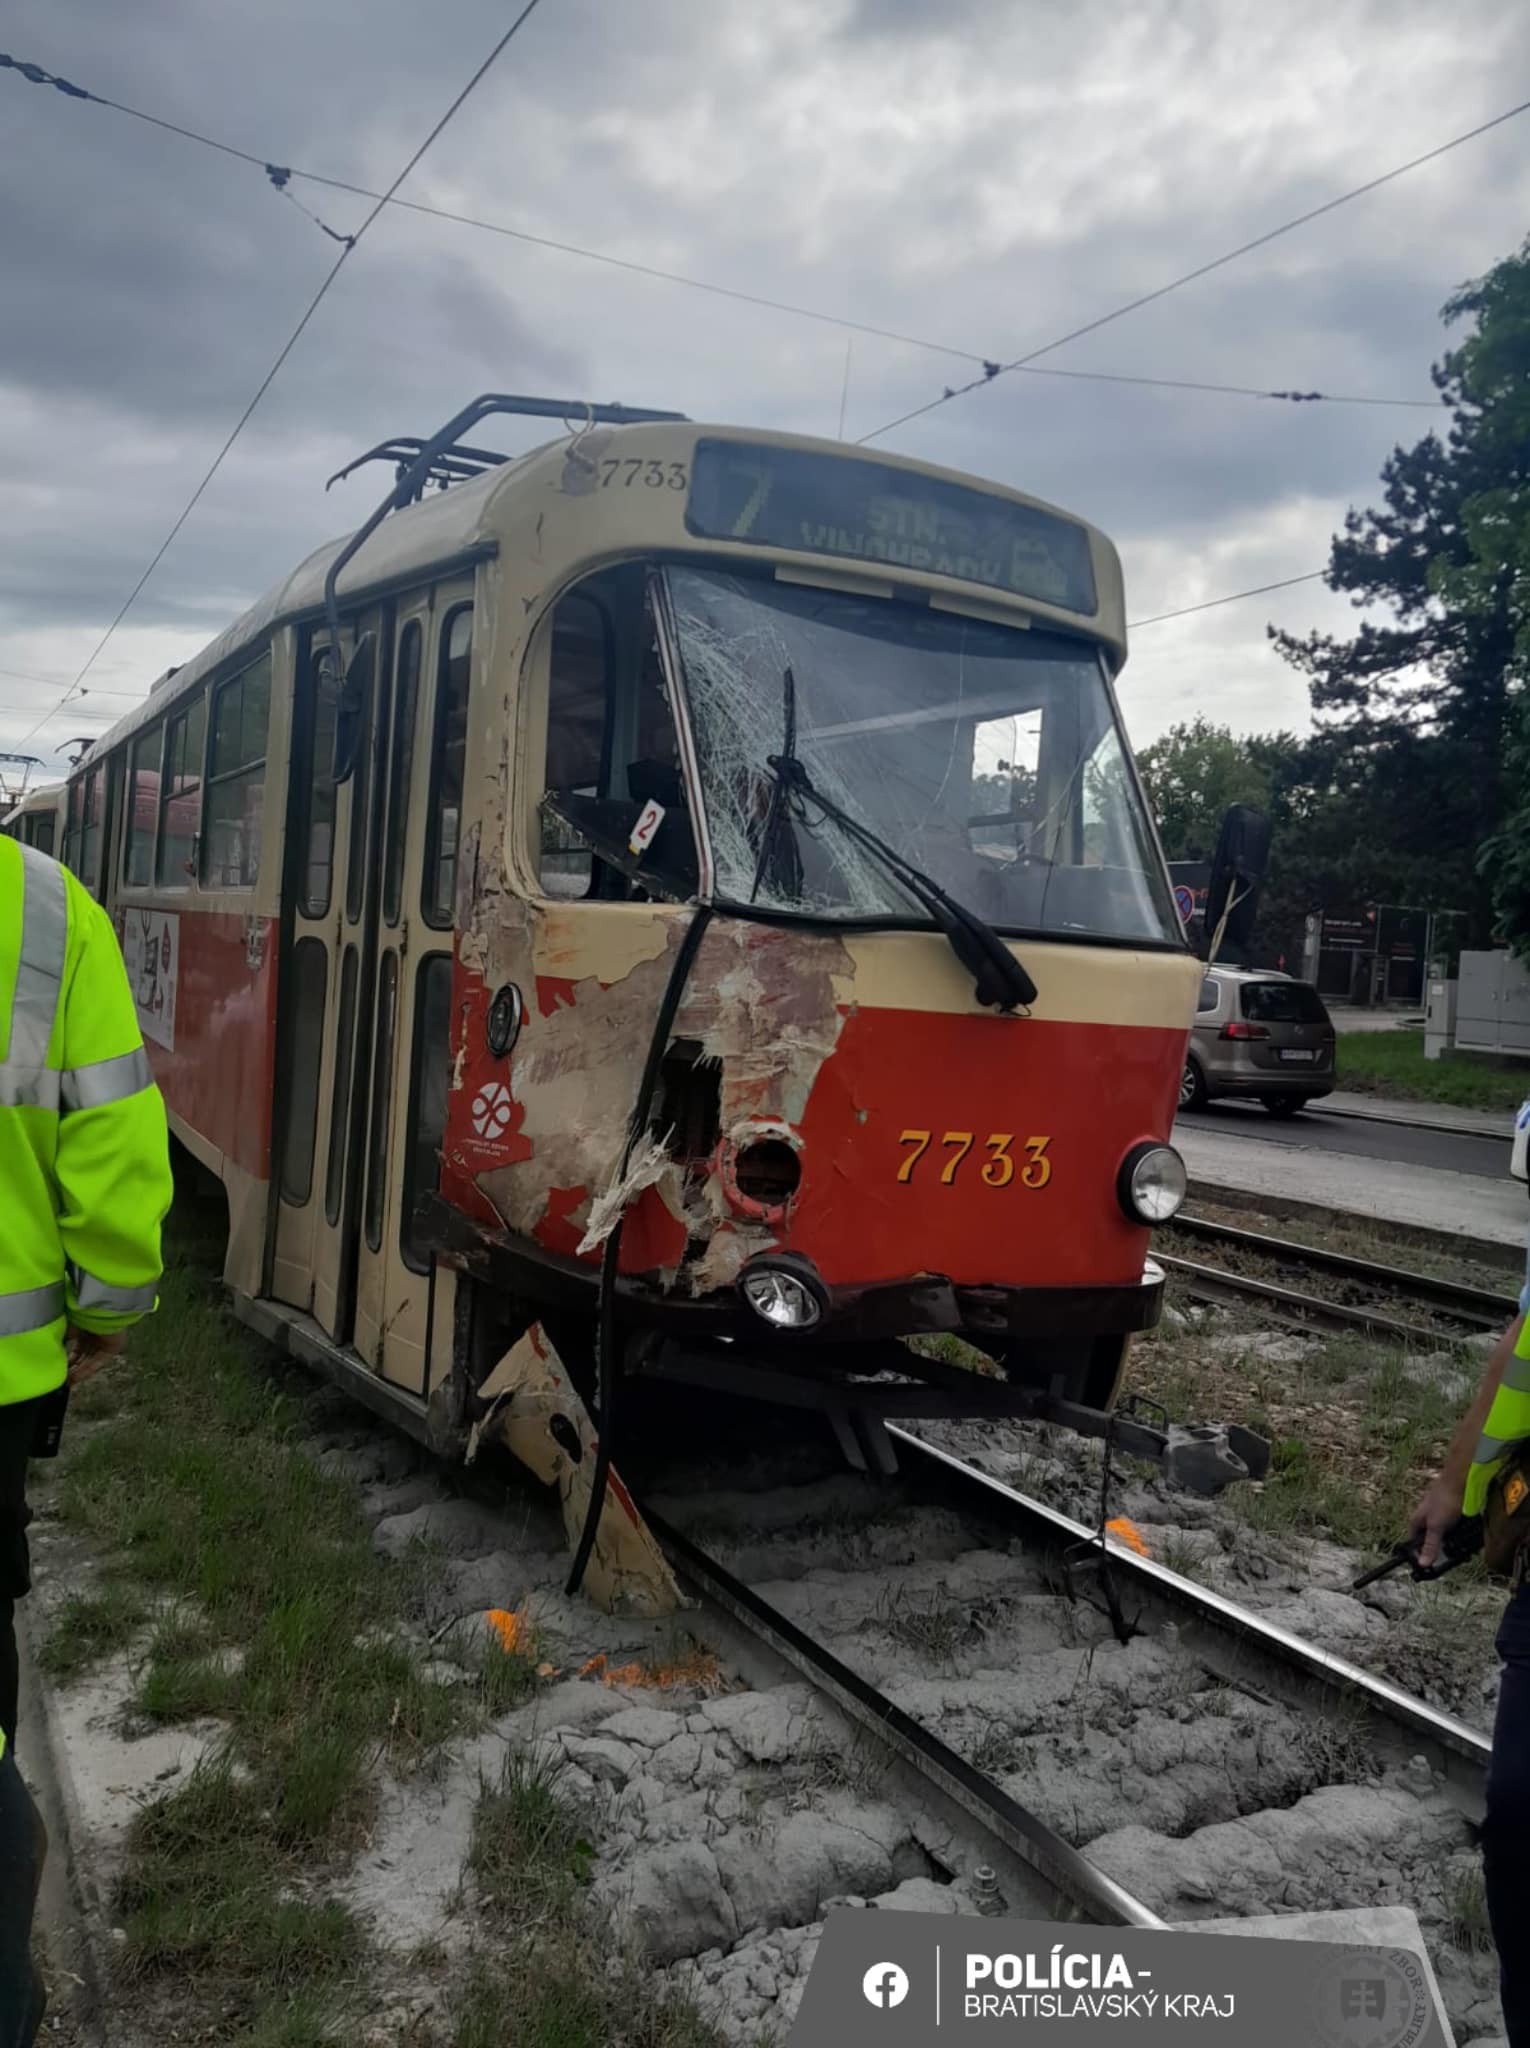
point(989, 758)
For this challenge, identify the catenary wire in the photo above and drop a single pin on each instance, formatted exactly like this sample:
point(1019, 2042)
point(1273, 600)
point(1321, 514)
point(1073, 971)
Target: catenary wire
point(1232, 597)
point(280, 175)
point(287, 347)
point(992, 371)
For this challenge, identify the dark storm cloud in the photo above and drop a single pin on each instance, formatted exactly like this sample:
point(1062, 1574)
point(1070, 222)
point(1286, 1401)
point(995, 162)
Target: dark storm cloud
point(987, 172)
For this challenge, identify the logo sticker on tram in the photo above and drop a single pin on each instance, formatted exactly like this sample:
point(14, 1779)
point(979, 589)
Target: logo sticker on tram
point(491, 1110)
point(1001, 1157)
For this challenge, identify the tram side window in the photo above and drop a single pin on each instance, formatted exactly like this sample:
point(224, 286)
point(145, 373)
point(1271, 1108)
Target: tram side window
point(611, 743)
point(89, 870)
point(310, 979)
point(427, 1099)
point(143, 809)
point(180, 796)
point(42, 832)
point(443, 821)
point(236, 779)
point(400, 769)
point(72, 827)
point(319, 833)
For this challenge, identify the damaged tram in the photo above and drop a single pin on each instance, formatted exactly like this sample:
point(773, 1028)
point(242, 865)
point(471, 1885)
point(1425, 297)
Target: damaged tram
point(674, 905)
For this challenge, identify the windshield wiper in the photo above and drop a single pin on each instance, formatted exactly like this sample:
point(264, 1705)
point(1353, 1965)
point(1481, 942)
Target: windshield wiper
point(998, 978)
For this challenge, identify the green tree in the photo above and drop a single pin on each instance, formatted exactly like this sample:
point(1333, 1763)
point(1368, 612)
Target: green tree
point(1425, 705)
point(1193, 773)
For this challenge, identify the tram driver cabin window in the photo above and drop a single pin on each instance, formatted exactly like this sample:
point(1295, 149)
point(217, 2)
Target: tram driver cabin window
point(236, 778)
point(611, 742)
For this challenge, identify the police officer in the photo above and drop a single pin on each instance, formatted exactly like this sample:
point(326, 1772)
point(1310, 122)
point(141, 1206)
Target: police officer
point(1498, 1416)
point(84, 1187)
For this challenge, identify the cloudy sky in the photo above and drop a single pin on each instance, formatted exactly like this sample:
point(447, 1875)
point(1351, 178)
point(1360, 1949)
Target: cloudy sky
point(981, 174)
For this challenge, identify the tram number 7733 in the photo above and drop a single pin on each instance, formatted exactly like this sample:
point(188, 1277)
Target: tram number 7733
point(996, 1171)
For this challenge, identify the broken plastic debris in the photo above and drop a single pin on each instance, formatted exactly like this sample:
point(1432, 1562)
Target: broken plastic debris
point(646, 1170)
point(695, 1667)
point(512, 1629)
point(1128, 1533)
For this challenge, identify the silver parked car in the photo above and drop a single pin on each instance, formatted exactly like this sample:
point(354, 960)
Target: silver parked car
point(1260, 1034)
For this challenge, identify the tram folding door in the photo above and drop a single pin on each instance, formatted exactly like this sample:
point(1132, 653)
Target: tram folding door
point(368, 890)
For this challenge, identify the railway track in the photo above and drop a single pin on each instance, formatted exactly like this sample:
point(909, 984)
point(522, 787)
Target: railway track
point(991, 1701)
point(1455, 1309)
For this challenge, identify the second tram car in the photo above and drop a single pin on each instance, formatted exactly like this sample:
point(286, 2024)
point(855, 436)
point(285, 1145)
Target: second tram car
point(684, 893)
point(37, 819)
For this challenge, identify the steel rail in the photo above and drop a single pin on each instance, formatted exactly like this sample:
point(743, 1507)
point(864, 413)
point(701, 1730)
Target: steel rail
point(1454, 1739)
point(1091, 1891)
point(1475, 1303)
point(1217, 1283)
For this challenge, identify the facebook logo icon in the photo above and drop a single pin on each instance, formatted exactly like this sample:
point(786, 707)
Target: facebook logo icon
point(885, 1985)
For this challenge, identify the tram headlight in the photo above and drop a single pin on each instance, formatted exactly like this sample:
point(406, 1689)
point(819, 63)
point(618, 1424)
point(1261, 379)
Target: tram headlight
point(784, 1292)
point(1152, 1183)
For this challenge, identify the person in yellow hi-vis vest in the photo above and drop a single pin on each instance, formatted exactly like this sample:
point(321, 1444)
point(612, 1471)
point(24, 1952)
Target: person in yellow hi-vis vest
point(84, 1187)
point(1498, 1418)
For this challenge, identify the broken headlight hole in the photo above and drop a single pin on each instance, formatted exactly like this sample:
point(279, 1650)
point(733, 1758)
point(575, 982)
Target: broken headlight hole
point(504, 1022)
point(767, 1171)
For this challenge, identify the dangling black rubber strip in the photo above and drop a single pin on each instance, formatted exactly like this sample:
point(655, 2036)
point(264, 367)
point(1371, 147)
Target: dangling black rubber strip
point(607, 1355)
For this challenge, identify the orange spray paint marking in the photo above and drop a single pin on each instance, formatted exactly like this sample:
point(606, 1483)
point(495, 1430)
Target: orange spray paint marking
point(1128, 1533)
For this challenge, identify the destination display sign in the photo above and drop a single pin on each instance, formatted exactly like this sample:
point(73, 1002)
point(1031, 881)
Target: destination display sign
point(870, 512)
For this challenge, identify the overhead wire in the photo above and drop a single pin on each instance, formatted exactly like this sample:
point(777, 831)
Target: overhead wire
point(286, 350)
point(992, 370)
point(280, 176)
point(21, 675)
point(1232, 597)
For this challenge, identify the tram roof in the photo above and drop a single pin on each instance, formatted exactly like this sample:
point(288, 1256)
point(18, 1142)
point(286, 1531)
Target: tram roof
point(450, 528)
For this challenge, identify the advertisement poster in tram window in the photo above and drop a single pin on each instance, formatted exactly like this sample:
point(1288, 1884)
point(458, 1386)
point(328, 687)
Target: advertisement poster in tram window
point(151, 946)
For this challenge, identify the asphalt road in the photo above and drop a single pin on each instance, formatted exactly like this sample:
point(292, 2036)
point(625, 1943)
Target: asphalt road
point(1407, 1144)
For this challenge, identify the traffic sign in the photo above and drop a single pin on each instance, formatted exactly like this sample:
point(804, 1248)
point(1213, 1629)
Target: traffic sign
point(1184, 900)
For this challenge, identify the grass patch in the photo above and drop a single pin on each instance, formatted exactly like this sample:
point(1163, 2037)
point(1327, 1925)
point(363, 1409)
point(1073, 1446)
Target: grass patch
point(86, 1627)
point(551, 1982)
point(935, 1627)
point(530, 1853)
point(1354, 1436)
point(1466, 1910)
point(1392, 1063)
point(208, 1892)
point(197, 1491)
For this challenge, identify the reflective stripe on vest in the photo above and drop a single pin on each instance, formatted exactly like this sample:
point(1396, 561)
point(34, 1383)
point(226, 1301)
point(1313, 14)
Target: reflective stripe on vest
point(91, 1293)
point(1508, 1424)
point(89, 1087)
point(105, 1081)
point(40, 969)
point(32, 1308)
